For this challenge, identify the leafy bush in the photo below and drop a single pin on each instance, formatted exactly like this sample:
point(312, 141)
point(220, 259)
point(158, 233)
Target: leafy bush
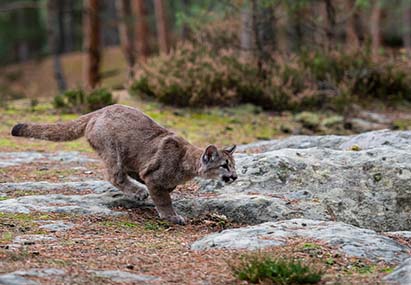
point(365, 77)
point(78, 101)
point(200, 75)
point(260, 268)
point(197, 76)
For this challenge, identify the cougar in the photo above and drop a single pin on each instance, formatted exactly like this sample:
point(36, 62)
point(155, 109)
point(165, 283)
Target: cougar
point(139, 154)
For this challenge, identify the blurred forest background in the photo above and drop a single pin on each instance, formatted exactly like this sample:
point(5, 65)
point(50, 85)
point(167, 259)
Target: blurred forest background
point(279, 55)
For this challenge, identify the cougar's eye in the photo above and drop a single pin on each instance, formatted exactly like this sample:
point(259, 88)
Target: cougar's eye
point(225, 165)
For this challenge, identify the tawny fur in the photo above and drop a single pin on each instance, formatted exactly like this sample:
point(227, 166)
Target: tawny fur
point(133, 145)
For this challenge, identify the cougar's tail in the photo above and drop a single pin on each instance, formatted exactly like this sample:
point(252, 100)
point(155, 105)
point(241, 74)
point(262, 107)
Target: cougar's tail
point(65, 131)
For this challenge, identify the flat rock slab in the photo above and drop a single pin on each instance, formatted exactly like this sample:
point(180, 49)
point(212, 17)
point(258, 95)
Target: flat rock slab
point(16, 277)
point(26, 240)
point(123, 277)
point(401, 275)
point(90, 204)
point(55, 226)
point(351, 240)
point(96, 186)
point(17, 158)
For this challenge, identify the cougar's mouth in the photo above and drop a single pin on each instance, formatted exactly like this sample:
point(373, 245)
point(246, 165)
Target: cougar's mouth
point(229, 179)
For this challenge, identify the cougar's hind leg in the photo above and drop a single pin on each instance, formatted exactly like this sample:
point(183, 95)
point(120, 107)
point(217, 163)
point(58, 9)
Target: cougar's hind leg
point(118, 177)
point(164, 206)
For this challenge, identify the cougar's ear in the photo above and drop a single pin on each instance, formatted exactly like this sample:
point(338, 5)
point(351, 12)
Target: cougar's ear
point(230, 149)
point(210, 154)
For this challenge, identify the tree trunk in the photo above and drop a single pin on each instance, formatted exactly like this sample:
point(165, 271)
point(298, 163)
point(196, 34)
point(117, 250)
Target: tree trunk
point(126, 33)
point(406, 18)
point(352, 39)
point(281, 29)
point(68, 26)
point(259, 50)
point(162, 27)
point(140, 13)
point(375, 28)
point(246, 36)
point(53, 31)
point(23, 50)
point(185, 31)
point(91, 41)
point(332, 24)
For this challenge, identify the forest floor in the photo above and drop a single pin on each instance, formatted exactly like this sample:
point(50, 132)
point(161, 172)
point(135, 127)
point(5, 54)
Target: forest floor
point(137, 242)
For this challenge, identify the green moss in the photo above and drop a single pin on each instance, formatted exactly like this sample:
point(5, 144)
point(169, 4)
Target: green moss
point(355, 147)
point(377, 177)
point(363, 268)
point(333, 121)
point(156, 225)
point(308, 120)
point(6, 143)
point(2, 198)
point(6, 237)
point(119, 224)
point(402, 124)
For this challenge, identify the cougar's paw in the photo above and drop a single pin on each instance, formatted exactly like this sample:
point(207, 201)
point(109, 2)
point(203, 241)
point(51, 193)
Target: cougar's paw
point(140, 195)
point(179, 220)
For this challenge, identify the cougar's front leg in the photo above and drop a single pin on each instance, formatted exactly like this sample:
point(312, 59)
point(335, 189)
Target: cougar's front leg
point(162, 200)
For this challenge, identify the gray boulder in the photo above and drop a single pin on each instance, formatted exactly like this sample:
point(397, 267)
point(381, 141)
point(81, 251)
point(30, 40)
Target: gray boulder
point(352, 241)
point(370, 188)
point(401, 275)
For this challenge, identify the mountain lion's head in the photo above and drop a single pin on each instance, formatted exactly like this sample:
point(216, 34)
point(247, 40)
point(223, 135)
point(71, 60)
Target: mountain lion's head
point(217, 163)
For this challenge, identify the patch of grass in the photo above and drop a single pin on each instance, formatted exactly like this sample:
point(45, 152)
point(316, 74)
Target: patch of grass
point(257, 268)
point(156, 225)
point(20, 193)
point(6, 142)
point(309, 120)
point(119, 224)
point(309, 245)
point(402, 124)
point(28, 217)
point(19, 255)
point(360, 267)
point(16, 216)
point(6, 237)
point(2, 198)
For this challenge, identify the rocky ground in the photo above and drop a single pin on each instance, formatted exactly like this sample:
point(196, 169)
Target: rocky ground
point(341, 203)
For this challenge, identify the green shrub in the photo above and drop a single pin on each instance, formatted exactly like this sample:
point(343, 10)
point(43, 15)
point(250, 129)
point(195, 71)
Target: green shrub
point(262, 268)
point(196, 75)
point(78, 101)
point(98, 99)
